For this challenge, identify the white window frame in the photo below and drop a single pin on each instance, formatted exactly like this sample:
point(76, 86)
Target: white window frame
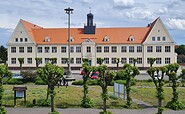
point(88, 49)
point(167, 48)
point(158, 60)
point(131, 49)
point(98, 49)
point(114, 49)
point(13, 49)
point(21, 49)
point(54, 49)
point(123, 60)
point(139, 49)
point(29, 49)
point(106, 49)
point(63, 49)
point(106, 60)
point(78, 60)
point(78, 49)
point(123, 49)
point(29, 60)
point(158, 48)
point(39, 49)
point(13, 60)
point(167, 60)
point(150, 49)
point(46, 49)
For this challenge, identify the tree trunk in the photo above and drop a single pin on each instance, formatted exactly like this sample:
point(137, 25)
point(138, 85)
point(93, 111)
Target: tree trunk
point(47, 96)
point(52, 98)
point(104, 105)
point(128, 92)
point(175, 94)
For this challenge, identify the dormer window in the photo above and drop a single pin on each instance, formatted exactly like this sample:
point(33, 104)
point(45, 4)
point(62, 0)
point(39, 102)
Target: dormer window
point(106, 39)
point(131, 38)
point(71, 39)
point(47, 39)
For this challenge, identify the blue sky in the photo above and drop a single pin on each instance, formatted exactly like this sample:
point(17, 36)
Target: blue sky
point(107, 13)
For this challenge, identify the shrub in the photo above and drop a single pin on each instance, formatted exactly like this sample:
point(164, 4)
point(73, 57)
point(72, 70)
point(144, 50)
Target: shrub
point(121, 81)
point(93, 82)
point(107, 112)
point(15, 81)
point(3, 110)
point(175, 105)
point(78, 82)
point(55, 112)
point(43, 102)
point(29, 76)
point(87, 103)
point(39, 81)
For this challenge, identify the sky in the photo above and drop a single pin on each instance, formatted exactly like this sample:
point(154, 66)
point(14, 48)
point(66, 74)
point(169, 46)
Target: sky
point(107, 13)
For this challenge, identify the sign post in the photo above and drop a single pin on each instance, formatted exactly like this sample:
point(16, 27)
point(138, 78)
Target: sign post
point(19, 92)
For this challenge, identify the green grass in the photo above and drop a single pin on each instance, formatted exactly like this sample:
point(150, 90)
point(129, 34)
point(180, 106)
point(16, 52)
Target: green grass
point(149, 95)
point(69, 97)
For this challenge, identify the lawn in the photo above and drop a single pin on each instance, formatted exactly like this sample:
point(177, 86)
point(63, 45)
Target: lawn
point(148, 94)
point(69, 97)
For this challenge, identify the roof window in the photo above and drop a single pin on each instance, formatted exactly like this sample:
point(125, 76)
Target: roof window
point(47, 39)
point(106, 39)
point(131, 38)
point(72, 39)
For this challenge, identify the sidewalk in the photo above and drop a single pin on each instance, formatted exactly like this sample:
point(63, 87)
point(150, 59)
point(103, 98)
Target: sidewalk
point(88, 111)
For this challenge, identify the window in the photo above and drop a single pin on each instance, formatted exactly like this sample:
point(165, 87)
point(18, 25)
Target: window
point(113, 60)
point(158, 38)
point(158, 48)
point(39, 49)
point(98, 49)
point(72, 49)
point(106, 39)
point(123, 48)
point(13, 49)
point(167, 61)
point(46, 60)
point(29, 60)
point(131, 60)
point(47, 39)
point(153, 38)
point(63, 49)
point(72, 60)
point(88, 49)
point(148, 60)
point(114, 49)
point(21, 49)
point(131, 48)
point(29, 49)
point(149, 48)
point(78, 61)
point(164, 38)
point(13, 60)
point(139, 60)
point(106, 49)
point(16, 40)
point(139, 48)
point(131, 38)
point(78, 49)
point(106, 60)
point(54, 61)
point(46, 49)
point(21, 39)
point(26, 39)
point(158, 60)
point(123, 60)
point(54, 49)
point(167, 49)
point(63, 60)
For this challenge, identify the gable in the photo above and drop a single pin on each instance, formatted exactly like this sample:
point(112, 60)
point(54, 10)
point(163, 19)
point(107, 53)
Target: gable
point(20, 35)
point(158, 34)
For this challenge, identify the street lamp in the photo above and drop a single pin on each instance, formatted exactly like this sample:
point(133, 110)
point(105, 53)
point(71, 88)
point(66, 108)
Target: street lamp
point(69, 74)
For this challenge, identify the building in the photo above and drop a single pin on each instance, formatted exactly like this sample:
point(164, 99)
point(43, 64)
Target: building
point(30, 41)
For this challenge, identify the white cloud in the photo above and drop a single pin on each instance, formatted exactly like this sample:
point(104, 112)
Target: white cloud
point(176, 24)
point(88, 1)
point(124, 3)
point(163, 10)
point(139, 13)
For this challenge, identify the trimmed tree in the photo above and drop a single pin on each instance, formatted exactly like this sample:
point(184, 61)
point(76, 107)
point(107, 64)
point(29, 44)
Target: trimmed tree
point(86, 101)
point(52, 74)
point(129, 73)
point(21, 61)
point(3, 72)
point(174, 104)
point(38, 62)
point(105, 79)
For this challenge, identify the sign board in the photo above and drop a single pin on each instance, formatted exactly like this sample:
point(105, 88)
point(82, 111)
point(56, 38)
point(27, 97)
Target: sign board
point(20, 94)
point(119, 90)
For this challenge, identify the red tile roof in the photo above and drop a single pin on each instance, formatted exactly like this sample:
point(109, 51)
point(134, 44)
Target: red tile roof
point(60, 35)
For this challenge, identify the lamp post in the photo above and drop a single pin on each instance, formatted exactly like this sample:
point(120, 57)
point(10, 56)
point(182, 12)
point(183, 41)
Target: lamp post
point(69, 74)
